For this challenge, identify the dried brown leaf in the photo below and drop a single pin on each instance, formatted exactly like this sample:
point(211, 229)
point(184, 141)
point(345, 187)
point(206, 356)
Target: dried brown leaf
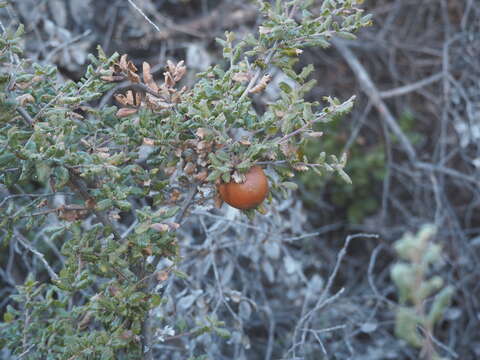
point(123, 63)
point(112, 78)
point(148, 78)
point(129, 96)
point(201, 176)
point(133, 77)
point(138, 98)
point(124, 112)
point(288, 149)
point(131, 66)
point(121, 99)
point(218, 201)
point(160, 227)
point(148, 141)
point(241, 77)
point(168, 78)
point(238, 177)
point(262, 84)
point(300, 167)
point(176, 194)
point(189, 169)
point(25, 99)
point(162, 275)
point(202, 132)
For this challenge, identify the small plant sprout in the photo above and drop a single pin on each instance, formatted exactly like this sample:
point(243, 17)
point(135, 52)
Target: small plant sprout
point(419, 309)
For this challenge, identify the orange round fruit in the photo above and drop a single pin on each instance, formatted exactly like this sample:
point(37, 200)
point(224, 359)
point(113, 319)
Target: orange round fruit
point(248, 194)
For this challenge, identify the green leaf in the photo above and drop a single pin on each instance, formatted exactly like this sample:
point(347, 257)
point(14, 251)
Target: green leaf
point(20, 30)
point(224, 333)
point(346, 35)
point(406, 327)
point(285, 87)
point(142, 228)
point(290, 185)
point(8, 317)
point(180, 274)
point(226, 177)
point(61, 176)
point(214, 175)
point(344, 176)
point(155, 300)
point(7, 160)
point(123, 205)
point(440, 304)
point(104, 204)
point(43, 171)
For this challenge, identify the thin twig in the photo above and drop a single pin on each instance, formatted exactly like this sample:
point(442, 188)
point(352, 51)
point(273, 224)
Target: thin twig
point(402, 90)
point(66, 44)
point(144, 16)
point(147, 334)
point(374, 95)
point(77, 185)
point(25, 115)
point(29, 246)
point(323, 300)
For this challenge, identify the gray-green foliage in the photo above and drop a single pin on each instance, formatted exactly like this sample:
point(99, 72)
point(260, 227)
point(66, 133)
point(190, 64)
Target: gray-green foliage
point(52, 141)
point(419, 255)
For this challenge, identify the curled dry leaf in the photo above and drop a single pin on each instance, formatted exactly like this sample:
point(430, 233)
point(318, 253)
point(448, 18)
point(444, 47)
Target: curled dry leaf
point(300, 167)
point(239, 178)
point(121, 113)
point(162, 275)
point(168, 79)
point(75, 115)
point(25, 99)
point(314, 134)
point(160, 227)
point(148, 78)
point(201, 176)
point(173, 226)
point(42, 203)
point(24, 85)
point(264, 30)
point(131, 67)
point(148, 141)
point(121, 99)
point(169, 170)
point(123, 63)
point(262, 84)
point(127, 335)
point(103, 155)
point(189, 168)
point(202, 132)
point(147, 251)
point(175, 195)
point(72, 212)
point(218, 201)
point(90, 203)
point(130, 99)
point(176, 71)
point(112, 78)
point(156, 103)
point(138, 98)
point(242, 77)
point(113, 290)
point(289, 150)
point(114, 215)
point(87, 318)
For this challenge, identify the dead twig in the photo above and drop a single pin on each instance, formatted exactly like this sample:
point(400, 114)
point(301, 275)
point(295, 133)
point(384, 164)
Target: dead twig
point(370, 89)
